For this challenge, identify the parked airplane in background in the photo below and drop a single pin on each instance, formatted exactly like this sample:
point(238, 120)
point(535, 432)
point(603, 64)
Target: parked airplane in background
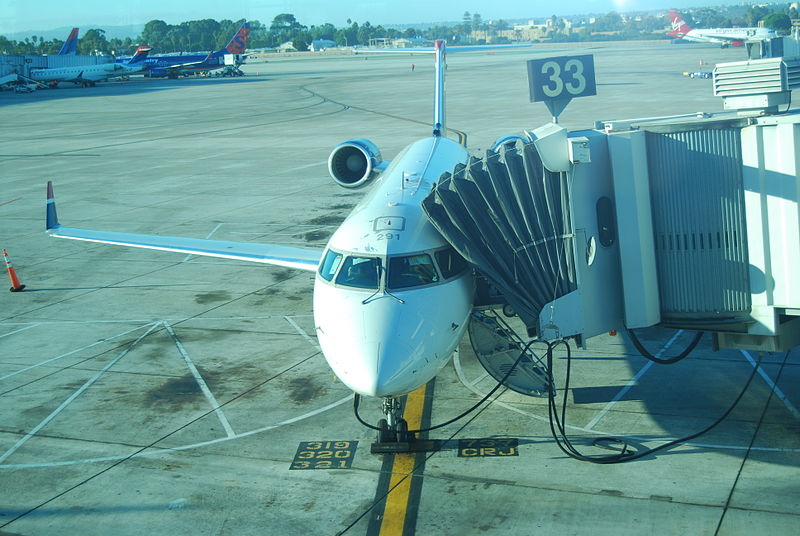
point(392, 298)
point(174, 66)
point(725, 37)
point(87, 75)
point(70, 46)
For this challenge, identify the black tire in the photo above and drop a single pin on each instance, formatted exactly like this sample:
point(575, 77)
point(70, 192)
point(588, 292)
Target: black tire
point(385, 435)
point(402, 432)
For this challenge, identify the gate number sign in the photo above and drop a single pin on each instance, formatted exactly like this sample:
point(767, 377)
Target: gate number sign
point(561, 78)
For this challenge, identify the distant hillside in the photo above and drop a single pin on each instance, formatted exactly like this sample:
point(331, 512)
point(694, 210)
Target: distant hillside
point(120, 32)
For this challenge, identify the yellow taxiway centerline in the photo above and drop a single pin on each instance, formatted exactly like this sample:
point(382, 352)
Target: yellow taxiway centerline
point(394, 513)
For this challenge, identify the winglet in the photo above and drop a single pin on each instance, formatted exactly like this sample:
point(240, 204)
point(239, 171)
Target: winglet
point(52, 217)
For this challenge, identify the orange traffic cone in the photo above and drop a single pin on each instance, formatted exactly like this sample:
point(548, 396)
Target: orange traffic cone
point(16, 286)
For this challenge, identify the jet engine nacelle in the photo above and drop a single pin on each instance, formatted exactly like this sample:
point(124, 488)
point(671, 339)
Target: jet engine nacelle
point(355, 162)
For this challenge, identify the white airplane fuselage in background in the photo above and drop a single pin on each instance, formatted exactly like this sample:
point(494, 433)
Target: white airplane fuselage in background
point(89, 74)
point(391, 338)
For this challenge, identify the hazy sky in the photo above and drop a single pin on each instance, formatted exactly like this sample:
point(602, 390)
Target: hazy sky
point(21, 15)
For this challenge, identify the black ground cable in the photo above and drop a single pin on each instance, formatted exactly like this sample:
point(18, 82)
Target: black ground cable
point(357, 398)
point(645, 353)
point(625, 455)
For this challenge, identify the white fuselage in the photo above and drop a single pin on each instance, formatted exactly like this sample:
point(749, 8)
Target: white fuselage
point(392, 334)
point(726, 35)
point(84, 73)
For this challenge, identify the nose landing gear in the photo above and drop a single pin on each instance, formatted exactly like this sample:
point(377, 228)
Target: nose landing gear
point(394, 428)
point(393, 433)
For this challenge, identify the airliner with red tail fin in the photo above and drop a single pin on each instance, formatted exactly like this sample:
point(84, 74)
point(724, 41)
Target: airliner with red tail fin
point(725, 37)
point(177, 65)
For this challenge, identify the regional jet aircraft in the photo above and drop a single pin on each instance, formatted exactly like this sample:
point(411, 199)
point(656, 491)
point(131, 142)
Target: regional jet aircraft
point(392, 298)
point(723, 36)
point(87, 75)
point(174, 66)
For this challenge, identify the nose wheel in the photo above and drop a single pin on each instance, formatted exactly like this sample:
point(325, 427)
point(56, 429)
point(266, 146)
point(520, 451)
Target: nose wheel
point(393, 429)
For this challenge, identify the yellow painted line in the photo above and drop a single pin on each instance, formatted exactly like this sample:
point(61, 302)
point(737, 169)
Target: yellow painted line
point(394, 513)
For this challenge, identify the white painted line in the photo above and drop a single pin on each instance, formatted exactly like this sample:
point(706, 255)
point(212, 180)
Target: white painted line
point(156, 452)
point(149, 320)
point(298, 168)
point(209, 235)
point(75, 395)
point(622, 392)
point(18, 330)
point(201, 382)
point(72, 352)
point(302, 332)
point(462, 376)
point(775, 389)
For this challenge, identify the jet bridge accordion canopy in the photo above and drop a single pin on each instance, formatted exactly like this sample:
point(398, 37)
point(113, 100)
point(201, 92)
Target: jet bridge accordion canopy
point(509, 216)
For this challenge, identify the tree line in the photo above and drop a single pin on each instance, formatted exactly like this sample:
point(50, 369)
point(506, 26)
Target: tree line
point(209, 34)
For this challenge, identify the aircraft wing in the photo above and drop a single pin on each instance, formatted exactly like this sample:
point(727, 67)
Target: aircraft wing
point(287, 256)
point(187, 65)
point(180, 66)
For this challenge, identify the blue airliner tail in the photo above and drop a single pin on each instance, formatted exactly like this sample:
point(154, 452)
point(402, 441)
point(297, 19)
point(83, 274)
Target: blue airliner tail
point(140, 54)
point(70, 46)
point(238, 43)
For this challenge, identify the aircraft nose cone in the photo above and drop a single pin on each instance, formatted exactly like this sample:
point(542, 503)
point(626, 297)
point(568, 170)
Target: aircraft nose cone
point(378, 369)
point(389, 346)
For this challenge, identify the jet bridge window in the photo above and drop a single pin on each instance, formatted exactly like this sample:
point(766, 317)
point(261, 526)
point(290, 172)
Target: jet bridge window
point(450, 262)
point(330, 264)
point(360, 272)
point(411, 271)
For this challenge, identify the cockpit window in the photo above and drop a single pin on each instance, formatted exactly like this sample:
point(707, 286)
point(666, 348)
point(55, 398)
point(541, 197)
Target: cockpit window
point(411, 271)
point(361, 272)
point(330, 264)
point(450, 262)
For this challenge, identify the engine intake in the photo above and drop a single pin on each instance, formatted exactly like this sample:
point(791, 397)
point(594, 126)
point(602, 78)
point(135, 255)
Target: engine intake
point(355, 162)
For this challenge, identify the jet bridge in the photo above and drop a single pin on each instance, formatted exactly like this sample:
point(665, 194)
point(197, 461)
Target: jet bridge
point(689, 222)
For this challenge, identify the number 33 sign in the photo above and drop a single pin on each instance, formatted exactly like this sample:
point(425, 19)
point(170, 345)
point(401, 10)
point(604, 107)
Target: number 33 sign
point(561, 79)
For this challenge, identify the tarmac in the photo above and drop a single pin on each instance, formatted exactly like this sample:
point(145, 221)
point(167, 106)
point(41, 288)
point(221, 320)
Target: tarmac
point(145, 392)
